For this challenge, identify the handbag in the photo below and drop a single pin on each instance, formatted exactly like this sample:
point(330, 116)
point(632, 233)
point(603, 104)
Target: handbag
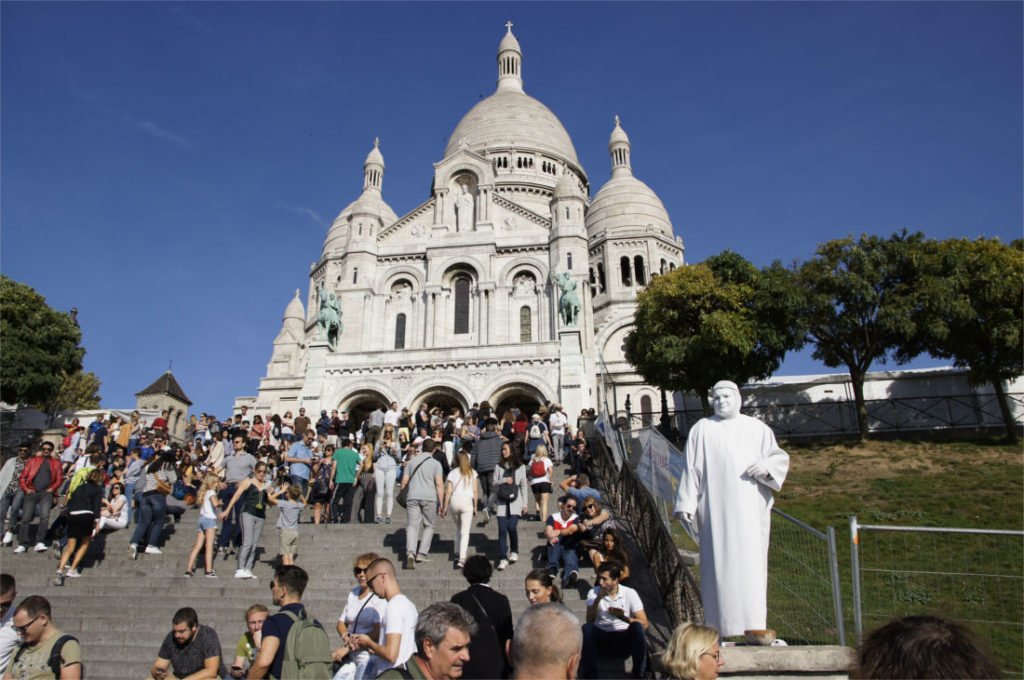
point(403, 494)
point(163, 487)
point(180, 490)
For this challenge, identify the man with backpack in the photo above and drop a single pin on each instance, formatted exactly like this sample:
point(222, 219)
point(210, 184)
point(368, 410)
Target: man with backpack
point(43, 645)
point(488, 454)
point(294, 644)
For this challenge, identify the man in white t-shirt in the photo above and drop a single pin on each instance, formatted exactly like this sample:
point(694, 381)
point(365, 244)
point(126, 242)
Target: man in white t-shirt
point(557, 422)
point(397, 640)
point(616, 624)
point(9, 638)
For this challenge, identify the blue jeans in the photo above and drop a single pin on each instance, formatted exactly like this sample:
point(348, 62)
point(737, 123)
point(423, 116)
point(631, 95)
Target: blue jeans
point(13, 502)
point(508, 531)
point(231, 527)
point(151, 520)
point(568, 555)
point(136, 496)
point(301, 481)
point(597, 643)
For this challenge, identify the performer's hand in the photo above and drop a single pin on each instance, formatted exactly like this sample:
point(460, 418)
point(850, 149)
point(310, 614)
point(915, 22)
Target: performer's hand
point(758, 469)
point(685, 516)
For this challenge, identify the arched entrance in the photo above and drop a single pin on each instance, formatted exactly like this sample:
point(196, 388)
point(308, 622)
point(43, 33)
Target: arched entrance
point(445, 398)
point(360, 404)
point(525, 398)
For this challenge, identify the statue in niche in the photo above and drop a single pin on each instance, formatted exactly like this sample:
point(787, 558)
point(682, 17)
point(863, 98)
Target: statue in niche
point(509, 223)
point(417, 231)
point(725, 501)
point(523, 285)
point(328, 319)
point(569, 301)
point(464, 217)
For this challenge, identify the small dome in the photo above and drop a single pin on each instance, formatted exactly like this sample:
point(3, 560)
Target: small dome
point(295, 310)
point(567, 186)
point(618, 135)
point(375, 156)
point(509, 42)
point(627, 203)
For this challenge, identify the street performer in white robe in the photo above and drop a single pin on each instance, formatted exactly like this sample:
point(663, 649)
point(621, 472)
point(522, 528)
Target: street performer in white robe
point(725, 498)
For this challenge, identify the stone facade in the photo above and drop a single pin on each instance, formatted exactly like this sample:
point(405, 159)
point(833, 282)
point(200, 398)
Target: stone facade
point(507, 284)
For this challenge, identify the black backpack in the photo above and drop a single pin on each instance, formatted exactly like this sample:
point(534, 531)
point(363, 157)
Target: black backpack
point(55, 654)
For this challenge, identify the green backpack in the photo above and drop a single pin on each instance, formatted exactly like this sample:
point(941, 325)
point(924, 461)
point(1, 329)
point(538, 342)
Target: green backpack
point(307, 650)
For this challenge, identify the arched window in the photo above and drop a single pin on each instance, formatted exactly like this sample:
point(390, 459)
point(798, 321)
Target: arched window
point(600, 277)
point(400, 331)
point(625, 268)
point(672, 266)
point(461, 305)
point(664, 266)
point(646, 412)
point(525, 324)
point(568, 261)
point(638, 267)
point(355, 274)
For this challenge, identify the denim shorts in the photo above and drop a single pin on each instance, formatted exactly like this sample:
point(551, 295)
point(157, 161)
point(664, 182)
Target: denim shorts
point(206, 523)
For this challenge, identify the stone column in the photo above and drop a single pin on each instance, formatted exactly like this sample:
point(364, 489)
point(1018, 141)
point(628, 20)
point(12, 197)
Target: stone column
point(428, 318)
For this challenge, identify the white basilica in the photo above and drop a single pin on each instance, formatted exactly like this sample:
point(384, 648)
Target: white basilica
point(507, 284)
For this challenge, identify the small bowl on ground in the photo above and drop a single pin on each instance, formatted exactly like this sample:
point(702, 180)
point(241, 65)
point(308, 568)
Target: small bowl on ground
point(760, 637)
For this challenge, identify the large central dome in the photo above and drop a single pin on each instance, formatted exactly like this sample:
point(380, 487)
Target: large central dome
point(510, 118)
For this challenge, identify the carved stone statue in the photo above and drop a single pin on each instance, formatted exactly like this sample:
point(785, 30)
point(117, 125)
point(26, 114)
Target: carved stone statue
point(464, 217)
point(725, 500)
point(523, 285)
point(569, 301)
point(328, 319)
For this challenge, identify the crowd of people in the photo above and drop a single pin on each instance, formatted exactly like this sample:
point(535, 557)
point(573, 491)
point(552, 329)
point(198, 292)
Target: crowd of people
point(113, 473)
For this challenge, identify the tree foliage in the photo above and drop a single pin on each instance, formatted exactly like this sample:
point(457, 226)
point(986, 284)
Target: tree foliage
point(80, 390)
point(38, 346)
point(972, 311)
point(861, 303)
point(720, 319)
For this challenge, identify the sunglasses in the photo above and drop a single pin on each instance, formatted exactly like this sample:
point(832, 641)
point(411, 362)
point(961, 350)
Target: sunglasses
point(6, 604)
point(590, 506)
point(570, 507)
point(356, 571)
point(20, 630)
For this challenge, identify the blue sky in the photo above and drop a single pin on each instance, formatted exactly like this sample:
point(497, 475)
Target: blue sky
point(170, 169)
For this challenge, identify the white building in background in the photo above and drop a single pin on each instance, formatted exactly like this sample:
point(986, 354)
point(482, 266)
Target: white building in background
point(456, 302)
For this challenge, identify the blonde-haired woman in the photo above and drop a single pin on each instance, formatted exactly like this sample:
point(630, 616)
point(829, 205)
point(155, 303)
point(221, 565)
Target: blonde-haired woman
point(386, 457)
point(362, 615)
point(461, 491)
point(209, 500)
point(693, 653)
point(539, 472)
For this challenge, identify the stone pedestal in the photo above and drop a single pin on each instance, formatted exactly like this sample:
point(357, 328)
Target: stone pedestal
point(572, 378)
point(313, 387)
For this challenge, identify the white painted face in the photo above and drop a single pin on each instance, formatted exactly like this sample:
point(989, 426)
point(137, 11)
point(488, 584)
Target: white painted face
point(726, 402)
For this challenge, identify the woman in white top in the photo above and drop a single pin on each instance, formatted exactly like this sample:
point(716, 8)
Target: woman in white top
point(461, 492)
point(386, 457)
point(114, 514)
point(208, 502)
point(540, 480)
point(363, 613)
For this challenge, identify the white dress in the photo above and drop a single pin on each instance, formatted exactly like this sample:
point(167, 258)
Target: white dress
point(733, 516)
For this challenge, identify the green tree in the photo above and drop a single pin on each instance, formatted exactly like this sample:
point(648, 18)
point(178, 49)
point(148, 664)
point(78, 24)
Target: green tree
point(38, 346)
point(80, 390)
point(973, 311)
point(860, 301)
point(718, 320)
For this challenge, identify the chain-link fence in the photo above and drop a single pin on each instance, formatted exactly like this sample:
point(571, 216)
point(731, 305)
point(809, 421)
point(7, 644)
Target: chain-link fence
point(975, 576)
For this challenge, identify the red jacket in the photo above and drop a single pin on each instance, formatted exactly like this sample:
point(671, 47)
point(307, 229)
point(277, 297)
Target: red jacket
point(32, 467)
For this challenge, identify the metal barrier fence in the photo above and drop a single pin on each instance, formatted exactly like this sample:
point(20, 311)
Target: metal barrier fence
point(975, 576)
point(628, 497)
point(803, 578)
point(839, 418)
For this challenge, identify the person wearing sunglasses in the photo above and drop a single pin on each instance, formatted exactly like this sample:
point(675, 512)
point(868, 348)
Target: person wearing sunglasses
point(252, 495)
point(397, 639)
point(362, 615)
point(41, 640)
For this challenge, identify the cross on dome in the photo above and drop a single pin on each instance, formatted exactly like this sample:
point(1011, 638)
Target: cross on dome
point(376, 140)
point(616, 120)
point(508, 25)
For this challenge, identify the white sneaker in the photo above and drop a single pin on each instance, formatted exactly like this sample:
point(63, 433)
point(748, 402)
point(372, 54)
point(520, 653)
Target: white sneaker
point(502, 565)
point(73, 573)
point(40, 547)
point(133, 550)
point(513, 558)
point(20, 549)
point(8, 538)
point(153, 550)
point(244, 573)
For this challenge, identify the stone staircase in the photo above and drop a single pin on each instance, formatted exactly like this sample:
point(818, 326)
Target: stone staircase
point(121, 609)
